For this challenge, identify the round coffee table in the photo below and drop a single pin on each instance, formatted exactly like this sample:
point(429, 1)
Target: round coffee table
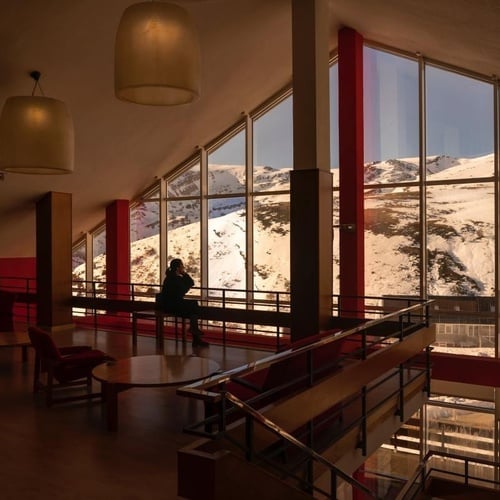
point(147, 371)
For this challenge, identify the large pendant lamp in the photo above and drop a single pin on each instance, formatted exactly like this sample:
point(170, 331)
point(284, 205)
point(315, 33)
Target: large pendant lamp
point(157, 55)
point(36, 135)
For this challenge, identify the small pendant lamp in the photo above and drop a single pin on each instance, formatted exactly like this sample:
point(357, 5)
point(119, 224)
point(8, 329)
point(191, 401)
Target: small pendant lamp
point(157, 55)
point(36, 134)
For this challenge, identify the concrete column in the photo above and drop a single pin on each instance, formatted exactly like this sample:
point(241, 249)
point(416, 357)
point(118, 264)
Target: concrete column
point(53, 261)
point(310, 181)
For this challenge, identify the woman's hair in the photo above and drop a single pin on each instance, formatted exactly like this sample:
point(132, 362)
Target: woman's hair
point(175, 264)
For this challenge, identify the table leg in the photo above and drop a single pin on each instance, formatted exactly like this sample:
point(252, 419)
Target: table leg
point(159, 332)
point(110, 396)
point(134, 329)
point(24, 354)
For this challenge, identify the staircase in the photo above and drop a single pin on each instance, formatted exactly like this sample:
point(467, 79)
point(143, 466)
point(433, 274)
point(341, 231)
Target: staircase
point(318, 432)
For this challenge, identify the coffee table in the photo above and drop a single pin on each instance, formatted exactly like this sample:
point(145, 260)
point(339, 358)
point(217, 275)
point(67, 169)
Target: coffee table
point(147, 371)
point(16, 339)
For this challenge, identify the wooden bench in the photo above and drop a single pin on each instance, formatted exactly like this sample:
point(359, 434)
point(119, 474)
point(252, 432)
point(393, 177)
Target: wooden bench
point(159, 318)
point(140, 309)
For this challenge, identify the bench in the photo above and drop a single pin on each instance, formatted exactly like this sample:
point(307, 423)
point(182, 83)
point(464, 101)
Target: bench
point(140, 309)
point(159, 318)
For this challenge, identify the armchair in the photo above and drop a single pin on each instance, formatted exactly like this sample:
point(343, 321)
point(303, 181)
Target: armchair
point(64, 366)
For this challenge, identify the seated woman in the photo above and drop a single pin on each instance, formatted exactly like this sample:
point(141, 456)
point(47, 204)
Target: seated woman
point(176, 284)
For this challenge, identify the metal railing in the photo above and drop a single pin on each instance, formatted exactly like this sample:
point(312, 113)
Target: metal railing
point(213, 391)
point(426, 470)
point(125, 293)
point(25, 292)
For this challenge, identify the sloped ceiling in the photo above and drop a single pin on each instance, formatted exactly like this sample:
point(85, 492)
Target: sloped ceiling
point(246, 57)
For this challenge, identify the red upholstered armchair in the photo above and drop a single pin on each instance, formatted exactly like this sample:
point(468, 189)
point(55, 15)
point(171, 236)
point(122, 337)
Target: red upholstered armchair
point(64, 366)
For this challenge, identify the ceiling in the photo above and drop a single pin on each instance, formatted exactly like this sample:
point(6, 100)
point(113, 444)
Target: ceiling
point(120, 148)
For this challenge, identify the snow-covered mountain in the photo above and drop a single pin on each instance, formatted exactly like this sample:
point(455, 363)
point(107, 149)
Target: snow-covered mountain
point(460, 220)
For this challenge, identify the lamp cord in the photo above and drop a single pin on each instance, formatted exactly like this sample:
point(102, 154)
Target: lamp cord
point(36, 76)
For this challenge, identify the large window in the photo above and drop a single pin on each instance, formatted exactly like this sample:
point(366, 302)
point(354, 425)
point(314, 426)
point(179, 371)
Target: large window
point(227, 212)
point(430, 225)
point(273, 160)
point(460, 211)
point(392, 199)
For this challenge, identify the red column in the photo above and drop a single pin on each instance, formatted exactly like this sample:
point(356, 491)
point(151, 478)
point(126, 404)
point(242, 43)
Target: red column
point(351, 156)
point(118, 249)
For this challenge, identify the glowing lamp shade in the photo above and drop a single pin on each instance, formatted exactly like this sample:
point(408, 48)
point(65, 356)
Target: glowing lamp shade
point(36, 136)
point(157, 55)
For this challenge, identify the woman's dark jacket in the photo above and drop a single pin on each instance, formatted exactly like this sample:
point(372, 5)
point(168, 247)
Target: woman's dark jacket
point(173, 290)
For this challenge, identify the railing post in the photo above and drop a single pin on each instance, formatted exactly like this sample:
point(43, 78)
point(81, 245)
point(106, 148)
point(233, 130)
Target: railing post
point(94, 297)
point(277, 327)
point(222, 415)
point(310, 368)
point(28, 304)
point(466, 472)
point(401, 393)
point(333, 483)
point(363, 421)
point(249, 453)
point(224, 321)
point(310, 461)
point(428, 370)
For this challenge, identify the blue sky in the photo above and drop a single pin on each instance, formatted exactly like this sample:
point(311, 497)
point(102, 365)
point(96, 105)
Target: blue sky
point(459, 116)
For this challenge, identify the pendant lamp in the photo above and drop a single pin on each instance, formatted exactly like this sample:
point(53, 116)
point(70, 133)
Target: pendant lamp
point(157, 55)
point(36, 134)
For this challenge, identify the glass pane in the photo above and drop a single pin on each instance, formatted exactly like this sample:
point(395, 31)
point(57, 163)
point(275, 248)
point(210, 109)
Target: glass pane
point(144, 220)
point(461, 239)
point(392, 242)
point(460, 431)
point(99, 256)
point(464, 325)
point(226, 243)
point(145, 243)
point(459, 124)
point(185, 184)
point(461, 267)
point(391, 115)
point(184, 236)
point(272, 243)
point(78, 261)
point(273, 148)
point(334, 117)
point(335, 244)
point(79, 267)
point(226, 167)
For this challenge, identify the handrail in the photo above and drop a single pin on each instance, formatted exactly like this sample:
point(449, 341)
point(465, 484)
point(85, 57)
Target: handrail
point(334, 470)
point(201, 390)
point(311, 454)
point(422, 473)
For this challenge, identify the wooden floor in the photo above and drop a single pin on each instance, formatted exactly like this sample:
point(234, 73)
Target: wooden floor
point(65, 452)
